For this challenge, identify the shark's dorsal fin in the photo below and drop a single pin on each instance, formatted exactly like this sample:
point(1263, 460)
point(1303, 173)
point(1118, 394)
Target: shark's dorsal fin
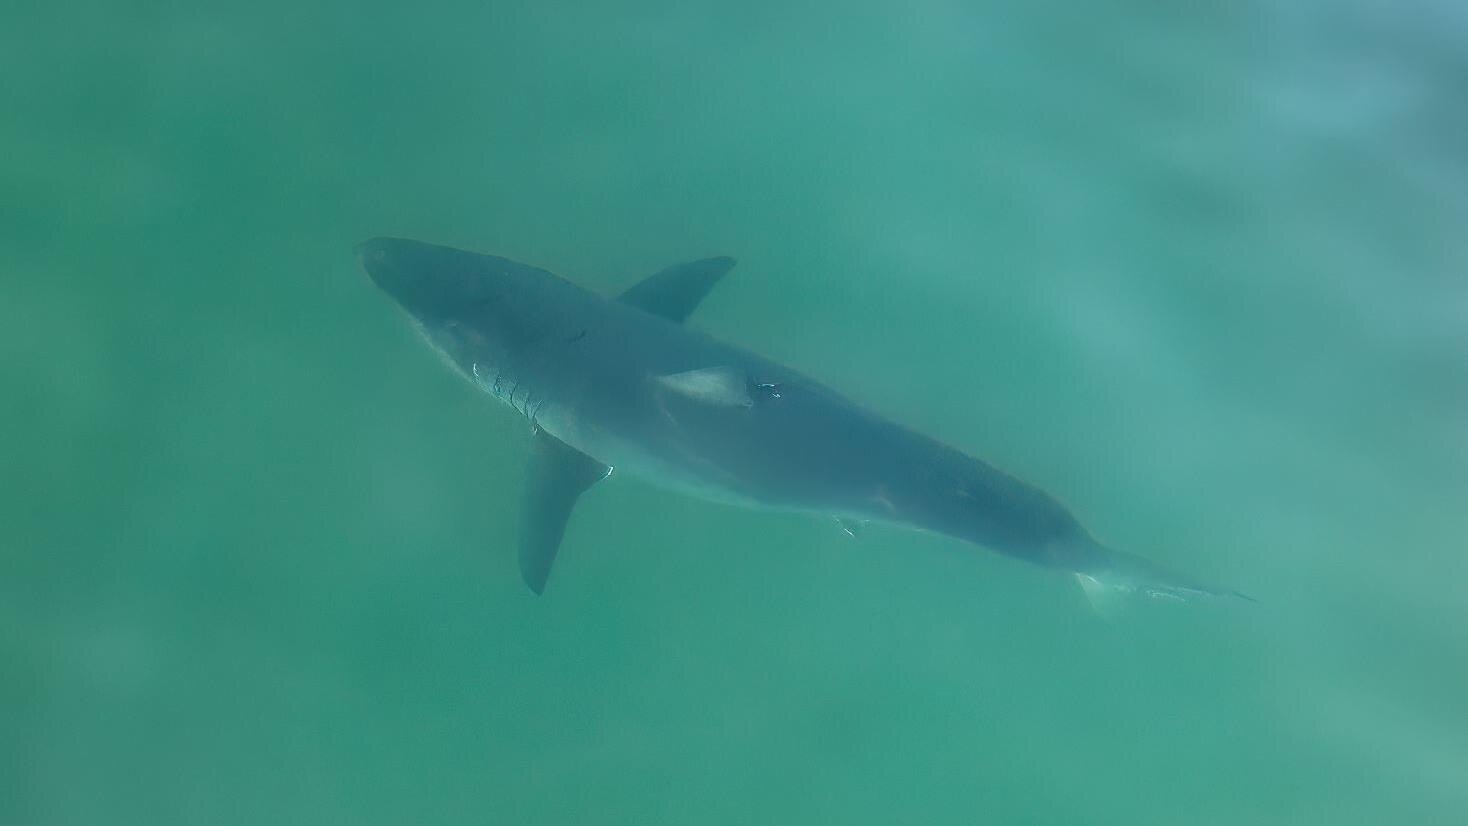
point(673, 292)
point(555, 476)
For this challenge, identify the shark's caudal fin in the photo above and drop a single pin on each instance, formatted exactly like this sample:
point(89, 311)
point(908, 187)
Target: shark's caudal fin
point(557, 473)
point(1117, 576)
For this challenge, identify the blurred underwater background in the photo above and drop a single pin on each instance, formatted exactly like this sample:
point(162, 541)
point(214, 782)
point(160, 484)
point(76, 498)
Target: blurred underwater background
point(1198, 271)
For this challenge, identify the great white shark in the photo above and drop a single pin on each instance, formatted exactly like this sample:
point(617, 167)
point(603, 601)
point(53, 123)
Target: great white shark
point(623, 384)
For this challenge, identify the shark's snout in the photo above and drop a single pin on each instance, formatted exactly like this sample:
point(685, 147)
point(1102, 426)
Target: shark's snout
point(373, 257)
point(432, 283)
point(392, 265)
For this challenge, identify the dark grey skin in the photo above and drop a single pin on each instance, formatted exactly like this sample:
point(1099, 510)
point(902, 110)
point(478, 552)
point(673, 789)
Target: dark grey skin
point(622, 384)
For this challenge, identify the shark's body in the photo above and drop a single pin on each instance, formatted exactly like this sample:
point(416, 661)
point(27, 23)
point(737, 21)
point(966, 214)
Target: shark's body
point(622, 384)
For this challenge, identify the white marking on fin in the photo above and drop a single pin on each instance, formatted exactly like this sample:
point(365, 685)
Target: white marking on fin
point(1105, 599)
point(723, 386)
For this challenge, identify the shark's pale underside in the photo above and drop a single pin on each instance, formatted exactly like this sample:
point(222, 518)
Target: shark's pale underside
point(623, 384)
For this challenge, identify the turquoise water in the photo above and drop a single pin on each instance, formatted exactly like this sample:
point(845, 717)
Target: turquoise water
point(1200, 273)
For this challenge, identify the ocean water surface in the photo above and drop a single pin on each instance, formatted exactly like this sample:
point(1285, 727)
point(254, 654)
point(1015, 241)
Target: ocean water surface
point(1199, 272)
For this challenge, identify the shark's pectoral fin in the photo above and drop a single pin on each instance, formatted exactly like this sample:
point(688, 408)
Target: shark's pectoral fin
point(674, 292)
point(717, 386)
point(556, 475)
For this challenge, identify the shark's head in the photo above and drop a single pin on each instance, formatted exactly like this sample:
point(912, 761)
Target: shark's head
point(463, 303)
point(435, 285)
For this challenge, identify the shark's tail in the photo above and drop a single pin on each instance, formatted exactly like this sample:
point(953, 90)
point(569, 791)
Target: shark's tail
point(1114, 576)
